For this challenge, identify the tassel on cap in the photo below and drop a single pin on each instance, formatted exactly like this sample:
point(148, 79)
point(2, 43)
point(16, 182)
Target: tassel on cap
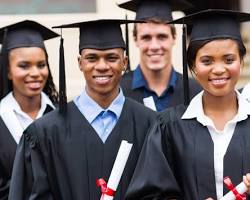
point(185, 67)
point(62, 80)
point(127, 44)
point(5, 85)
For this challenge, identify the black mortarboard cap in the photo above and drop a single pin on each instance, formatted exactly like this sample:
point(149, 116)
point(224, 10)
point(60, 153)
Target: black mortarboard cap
point(100, 34)
point(26, 34)
point(214, 23)
point(22, 34)
point(206, 25)
point(160, 9)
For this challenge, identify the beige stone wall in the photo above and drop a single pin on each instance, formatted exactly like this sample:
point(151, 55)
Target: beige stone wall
point(245, 72)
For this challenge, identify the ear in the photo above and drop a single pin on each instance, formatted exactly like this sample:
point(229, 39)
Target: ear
point(79, 59)
point(136, 41)
point(9, 74)
point(125, 63)
point(174, 39)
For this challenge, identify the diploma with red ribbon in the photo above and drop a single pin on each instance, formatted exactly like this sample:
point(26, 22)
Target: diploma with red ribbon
point(108, 190)
point(236, 193)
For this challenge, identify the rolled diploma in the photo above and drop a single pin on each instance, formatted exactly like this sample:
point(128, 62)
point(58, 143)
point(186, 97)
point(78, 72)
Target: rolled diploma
point(241, 188)
point(118, 167)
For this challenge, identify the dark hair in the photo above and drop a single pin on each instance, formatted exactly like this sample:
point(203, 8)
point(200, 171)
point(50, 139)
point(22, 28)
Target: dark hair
point(156, 21)
point(6, 84)
point(50, 88)
point(194, 47)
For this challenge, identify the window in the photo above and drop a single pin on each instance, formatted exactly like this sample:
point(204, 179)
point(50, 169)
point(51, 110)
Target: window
point(46, 6)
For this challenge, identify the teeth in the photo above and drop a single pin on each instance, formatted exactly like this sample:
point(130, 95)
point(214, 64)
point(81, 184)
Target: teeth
point(102, 78)
point(219, 80)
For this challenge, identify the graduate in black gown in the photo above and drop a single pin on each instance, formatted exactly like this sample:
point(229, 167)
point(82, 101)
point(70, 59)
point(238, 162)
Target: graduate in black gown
point(27, 90)
point(62, 155)
point(190, 149)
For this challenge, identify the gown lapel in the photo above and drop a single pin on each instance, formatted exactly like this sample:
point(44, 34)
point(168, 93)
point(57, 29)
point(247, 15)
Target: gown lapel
point(204, 164)
point(235, 159)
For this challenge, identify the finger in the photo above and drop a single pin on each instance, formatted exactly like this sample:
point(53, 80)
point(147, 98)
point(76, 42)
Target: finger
point(246, 181)
point(248, 176)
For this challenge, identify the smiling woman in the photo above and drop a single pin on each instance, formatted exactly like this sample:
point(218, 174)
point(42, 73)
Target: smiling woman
point(194, 147)
point(27, 90)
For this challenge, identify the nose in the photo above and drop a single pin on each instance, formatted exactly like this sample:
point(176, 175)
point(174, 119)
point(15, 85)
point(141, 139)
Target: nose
point(154, 44)
point(219, 68)
point(34, 71)
point(102, 65)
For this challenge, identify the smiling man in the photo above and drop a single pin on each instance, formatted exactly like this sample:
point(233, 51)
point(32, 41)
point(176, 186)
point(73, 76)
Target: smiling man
point(63, 155)
point(155, 82)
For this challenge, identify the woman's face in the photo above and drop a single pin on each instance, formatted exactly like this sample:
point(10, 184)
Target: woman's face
point(217, 67)
point(28, 71)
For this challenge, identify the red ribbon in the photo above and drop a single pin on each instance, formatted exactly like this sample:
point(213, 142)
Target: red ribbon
point(104, 189)
point(231, 187)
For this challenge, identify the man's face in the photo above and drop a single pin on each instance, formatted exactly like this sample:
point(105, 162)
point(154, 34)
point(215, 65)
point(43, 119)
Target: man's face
point(155, 42)
point(102, 70)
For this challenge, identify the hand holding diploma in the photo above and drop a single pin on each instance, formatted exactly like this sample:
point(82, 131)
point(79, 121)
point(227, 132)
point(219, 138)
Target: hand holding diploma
point(116, 173)
point(236, 193)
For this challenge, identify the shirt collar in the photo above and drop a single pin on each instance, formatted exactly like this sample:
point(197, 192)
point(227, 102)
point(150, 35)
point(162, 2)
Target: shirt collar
point(44, 102)
point(173, 78)
point(90, 109)
point(244, 107)
point(9, 102)
point(139, 80)
point(195, 109)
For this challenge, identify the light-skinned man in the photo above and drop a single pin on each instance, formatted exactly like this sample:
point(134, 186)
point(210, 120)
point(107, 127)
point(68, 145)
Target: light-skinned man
point(155, 82)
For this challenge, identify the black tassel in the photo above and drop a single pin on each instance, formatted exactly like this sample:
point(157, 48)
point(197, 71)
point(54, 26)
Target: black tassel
point(5, 83)
point(185, 67)
point(62, 80)
point(127, 43)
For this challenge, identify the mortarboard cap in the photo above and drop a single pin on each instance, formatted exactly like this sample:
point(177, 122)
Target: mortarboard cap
point(100, 34)
point(160, 9)
point(22, 34)
point(214, 23)
point(25, 34)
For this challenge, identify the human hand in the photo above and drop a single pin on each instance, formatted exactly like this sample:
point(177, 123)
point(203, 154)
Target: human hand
point(246, 180)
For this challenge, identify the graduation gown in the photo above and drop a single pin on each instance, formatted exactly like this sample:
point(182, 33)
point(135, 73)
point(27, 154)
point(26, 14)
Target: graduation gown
point(175, 98)
point(7, 155)
point(177, 159)
point(61, 157)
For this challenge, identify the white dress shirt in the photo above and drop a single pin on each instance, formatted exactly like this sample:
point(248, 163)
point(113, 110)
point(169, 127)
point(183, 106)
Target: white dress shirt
point(221, 139)
point(15, 119)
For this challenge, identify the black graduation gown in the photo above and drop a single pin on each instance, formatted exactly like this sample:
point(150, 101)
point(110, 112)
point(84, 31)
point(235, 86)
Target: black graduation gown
point(176, 97)
point(7, 155)
point(61, 157)
point(179, 156)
